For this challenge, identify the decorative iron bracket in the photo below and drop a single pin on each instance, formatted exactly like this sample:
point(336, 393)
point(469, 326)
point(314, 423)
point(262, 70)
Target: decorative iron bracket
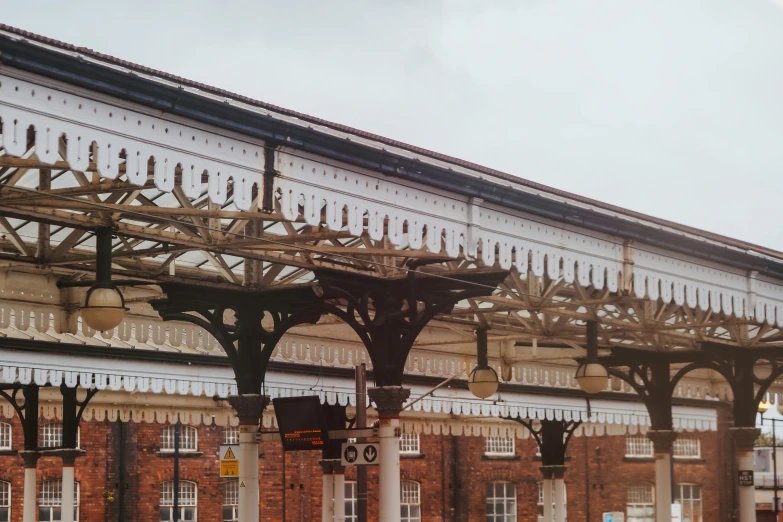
point(552, 437)
point(247, 342)
point(388, 314)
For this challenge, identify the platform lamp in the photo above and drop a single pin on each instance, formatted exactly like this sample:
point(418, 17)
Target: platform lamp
point(592, 376)
point(763, 407)
point(483, 380)
point(104, 306)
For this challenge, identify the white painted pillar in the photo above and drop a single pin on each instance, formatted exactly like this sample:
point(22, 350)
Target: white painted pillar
point(546, 486)
point(389, 463)
point(248, 473)
point(68, 492)
point(249, 408)
point(327, 498)
point(388, 401)
point(744, 440)
point(30, 497)
point(663, 440)
point(560, 499)
point(339, 496)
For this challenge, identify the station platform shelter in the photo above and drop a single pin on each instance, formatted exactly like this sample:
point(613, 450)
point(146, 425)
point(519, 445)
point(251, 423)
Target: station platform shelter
point(174, 258)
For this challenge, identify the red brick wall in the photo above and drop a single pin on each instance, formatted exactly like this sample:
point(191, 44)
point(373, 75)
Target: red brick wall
point(452, 490)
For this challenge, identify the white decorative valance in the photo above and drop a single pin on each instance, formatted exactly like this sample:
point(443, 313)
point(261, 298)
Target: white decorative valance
point(140, 136)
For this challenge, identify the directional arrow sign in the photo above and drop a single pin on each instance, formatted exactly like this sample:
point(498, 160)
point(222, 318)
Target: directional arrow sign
point(370, 454)
point(364, 454)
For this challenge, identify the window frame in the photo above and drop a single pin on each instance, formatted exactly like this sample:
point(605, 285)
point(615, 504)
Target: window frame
point(6, 429)
point(182, 506)
point(227, 485)
point(691, 501)
point(5, 491)
point(228, 435)
point(415, 491)
point(169, 439)
point(410, 443)
point(51, 503)
point(493, 501)
point(488, 442)
point(635, 503)
point(684, 444)
point(352, 499)
point(639, 447)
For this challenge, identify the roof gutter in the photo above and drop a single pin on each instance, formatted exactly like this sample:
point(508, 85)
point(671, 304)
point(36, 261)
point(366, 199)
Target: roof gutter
point(132, 87)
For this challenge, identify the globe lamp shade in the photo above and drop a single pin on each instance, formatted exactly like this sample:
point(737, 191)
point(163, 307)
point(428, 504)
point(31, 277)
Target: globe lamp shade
point(592, 377)
point(483, 382)
point(764, 406)
point(104, 308)
point(780, 407)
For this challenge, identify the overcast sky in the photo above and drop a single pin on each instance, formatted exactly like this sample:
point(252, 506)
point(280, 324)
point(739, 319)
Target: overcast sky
point(669, 107)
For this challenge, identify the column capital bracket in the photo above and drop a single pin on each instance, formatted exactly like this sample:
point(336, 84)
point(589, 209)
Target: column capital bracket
point(663, 440)
point(389, 400)
point(30, 458)
point(249, 407)
point(553, 472)
point(744, 437)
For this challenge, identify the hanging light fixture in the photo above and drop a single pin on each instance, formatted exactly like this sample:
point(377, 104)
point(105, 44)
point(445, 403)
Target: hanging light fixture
point(483, 380)
point(764, 406)
point(592, 376)
point(104, 305)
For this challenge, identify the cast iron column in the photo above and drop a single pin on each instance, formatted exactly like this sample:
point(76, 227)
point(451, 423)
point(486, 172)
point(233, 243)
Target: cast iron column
point(388, 314)
point(249, 357)
point(663, 442)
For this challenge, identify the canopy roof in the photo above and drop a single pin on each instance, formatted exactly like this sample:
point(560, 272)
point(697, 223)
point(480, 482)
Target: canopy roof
point(182, 172)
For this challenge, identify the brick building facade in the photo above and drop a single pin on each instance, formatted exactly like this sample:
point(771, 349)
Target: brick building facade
point(451, 478)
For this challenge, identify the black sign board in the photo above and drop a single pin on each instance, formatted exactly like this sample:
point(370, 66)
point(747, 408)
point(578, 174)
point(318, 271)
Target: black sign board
point(745, 477)
point(301, 422)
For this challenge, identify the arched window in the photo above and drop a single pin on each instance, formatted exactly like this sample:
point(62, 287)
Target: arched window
point(410, 501)
point(5, 501)
point(638, 446)
point(351, 502)
point(689, 495)
point(541, 499)
point(188, 438)
point(231, 500)
point(187, 501)
point(409, 444)
point(51, 500)
point(501, 502)
point(641, 503)
point(5, 438)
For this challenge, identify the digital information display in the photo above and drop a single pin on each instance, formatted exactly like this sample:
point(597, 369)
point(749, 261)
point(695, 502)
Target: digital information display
point(301, 422)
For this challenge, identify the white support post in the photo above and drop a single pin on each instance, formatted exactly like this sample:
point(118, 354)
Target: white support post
point(389, 463)
point(560, 499)
point(249, 408)
point(69, 493)
point(339, 495)
point(546, 486)
point(327, 498)
point(663, 441)
point(248, 473)
point(744, 440)
point(388, 401)
point(30, 497)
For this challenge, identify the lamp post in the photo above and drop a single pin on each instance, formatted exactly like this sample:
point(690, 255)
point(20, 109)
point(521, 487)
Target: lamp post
point(104, 305)
point(483, 380)
point(592, 376)
point(763, 407)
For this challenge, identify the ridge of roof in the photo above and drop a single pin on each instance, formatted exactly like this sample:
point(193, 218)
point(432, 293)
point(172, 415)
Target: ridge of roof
point(726, 240)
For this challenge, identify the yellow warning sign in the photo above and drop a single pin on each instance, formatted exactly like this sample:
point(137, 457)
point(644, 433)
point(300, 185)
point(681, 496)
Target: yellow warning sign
point(242, 484)
point(229, 454)
point(229, 468)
